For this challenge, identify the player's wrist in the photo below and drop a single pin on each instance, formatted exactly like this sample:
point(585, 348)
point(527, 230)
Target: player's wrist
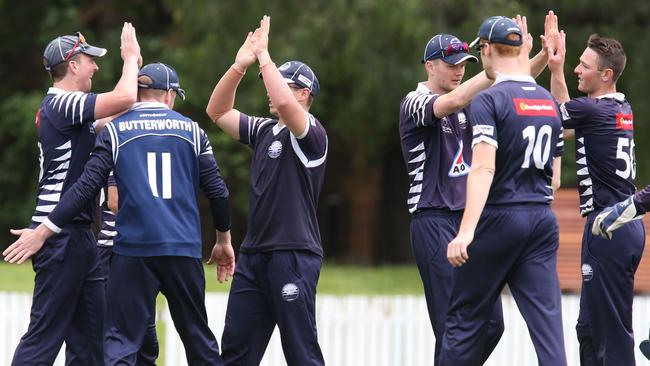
point(239, 68)
point(264, 58)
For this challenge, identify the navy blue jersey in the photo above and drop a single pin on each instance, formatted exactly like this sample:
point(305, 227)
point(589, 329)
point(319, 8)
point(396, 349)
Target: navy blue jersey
point(520, 119)
point(65, 139)
point(107, 230)
point(287, 173)
point(159, 158)
point(605, 163)
point(437, 153)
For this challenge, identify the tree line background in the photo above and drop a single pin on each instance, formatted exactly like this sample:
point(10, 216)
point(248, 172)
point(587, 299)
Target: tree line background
point(366, 54)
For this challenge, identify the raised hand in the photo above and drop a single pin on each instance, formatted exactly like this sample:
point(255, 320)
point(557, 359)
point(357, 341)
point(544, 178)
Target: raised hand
point(551, 37)
point(556, 59)
point(129, 48)
point(527, 44)
point(245, 56)
point(260, 38)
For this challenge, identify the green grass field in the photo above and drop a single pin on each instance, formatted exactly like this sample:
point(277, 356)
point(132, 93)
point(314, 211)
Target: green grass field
point(335, 279)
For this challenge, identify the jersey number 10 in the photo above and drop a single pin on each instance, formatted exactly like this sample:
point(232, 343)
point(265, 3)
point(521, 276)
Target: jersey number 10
point(536, 139)
point(166, 174)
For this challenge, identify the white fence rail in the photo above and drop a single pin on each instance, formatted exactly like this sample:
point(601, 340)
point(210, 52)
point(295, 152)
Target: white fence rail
point(355, 330)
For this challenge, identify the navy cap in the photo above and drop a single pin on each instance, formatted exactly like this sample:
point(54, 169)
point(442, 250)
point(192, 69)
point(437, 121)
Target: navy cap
point(63, 48)
point(164, 77)
point(448, 48)
point(496, 30)
point(296, 72)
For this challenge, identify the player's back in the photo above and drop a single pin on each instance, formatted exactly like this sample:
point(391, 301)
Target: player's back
point(156, 151)
point(521, 119)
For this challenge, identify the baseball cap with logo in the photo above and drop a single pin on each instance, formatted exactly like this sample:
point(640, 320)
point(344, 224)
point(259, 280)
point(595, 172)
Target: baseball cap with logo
point(296, 72)
point(163, 77)
point(448, 48)
point(63, 48)
point(496, 30)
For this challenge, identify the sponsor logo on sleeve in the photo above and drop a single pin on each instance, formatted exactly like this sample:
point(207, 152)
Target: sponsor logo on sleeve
point(534, 107)
point(624, 121)
point(486, 130)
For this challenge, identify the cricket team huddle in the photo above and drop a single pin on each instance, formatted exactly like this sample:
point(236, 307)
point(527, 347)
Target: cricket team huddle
point(483, 158)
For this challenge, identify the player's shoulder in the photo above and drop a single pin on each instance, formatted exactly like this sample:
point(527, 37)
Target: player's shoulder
point(59, 100)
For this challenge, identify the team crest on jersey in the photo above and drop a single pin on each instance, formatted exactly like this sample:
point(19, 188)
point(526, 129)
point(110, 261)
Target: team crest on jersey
point(444, 123)
point(275, 149)
point(290, 292)
point(534, 107)
point(587, 272)
point(624, 121)
point(459, 167)
point(462, 120)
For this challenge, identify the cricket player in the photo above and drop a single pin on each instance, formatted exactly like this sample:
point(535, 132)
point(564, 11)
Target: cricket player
point(516, 148)
point(159, 158)
point(604, 131)
point(68, 296)
point(281, 256)
point(436, 137)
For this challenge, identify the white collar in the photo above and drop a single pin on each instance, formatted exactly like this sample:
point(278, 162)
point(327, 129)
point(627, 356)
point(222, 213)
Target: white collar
point(149, 105)
point(423, 88)
point(618, 96)
point(277, 128)
point(53, 90)
point(521, 78)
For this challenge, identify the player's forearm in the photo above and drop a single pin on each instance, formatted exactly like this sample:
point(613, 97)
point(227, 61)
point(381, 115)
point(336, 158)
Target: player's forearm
point(538, 63)
point(461, 96)
point(558, 87)
point(222, 99)
point(556, 181)
point(478, 188)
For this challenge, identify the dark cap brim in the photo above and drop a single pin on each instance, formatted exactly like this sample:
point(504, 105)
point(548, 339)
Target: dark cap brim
point(94, 51)
point(459, 58)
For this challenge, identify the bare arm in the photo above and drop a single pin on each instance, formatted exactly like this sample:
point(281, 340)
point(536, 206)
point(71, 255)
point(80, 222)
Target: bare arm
point(126, 90)
point(289, 109)
point(220, 107)
point(460, 97)
point(557, 172)
point(113, 199)
point(478, 188)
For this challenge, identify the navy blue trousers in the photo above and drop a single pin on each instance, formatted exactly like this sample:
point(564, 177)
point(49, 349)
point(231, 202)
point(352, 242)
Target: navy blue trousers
point(148, 353)
point(133, 284)
point(517, 246)
point(270, 288)
point(604, 326)
point(431, 231)
point(68, 302)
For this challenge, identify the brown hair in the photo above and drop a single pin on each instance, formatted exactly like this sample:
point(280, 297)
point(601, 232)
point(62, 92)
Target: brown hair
point(505, 49)
point(610, 54)
point(59, 71)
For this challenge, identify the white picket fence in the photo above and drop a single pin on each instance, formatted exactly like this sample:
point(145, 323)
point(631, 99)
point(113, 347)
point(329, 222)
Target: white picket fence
point(355, 331)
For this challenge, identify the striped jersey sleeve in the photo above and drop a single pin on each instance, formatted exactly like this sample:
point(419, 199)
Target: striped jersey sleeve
point(418, 107)
point(250, 127)
point(76, 108)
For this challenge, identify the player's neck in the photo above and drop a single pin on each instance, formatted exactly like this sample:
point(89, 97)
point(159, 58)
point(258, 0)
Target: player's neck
point(435, 89)
point(603, 90)
point(508, 66)
point(66, 84)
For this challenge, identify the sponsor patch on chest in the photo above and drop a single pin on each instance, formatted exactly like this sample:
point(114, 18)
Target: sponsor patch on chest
point(625, 121)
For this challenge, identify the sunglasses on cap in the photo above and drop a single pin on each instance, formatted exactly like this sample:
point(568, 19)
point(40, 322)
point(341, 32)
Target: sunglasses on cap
point(455, 48)
point(80, 40)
